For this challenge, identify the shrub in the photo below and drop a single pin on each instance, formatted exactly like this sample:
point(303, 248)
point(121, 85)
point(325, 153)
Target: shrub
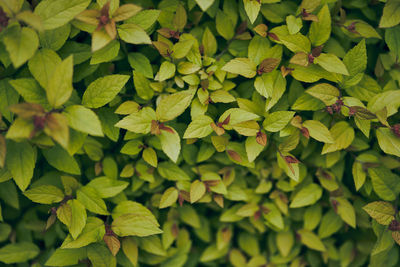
point(199, 133)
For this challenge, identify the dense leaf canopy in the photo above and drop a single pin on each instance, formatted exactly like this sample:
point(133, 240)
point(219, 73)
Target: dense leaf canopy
point(199, 133)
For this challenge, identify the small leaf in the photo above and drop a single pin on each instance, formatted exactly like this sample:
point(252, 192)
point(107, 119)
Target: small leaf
point(169, 197)
point(308, 195)
point(318, 131)
point(241, 66)
point(45, 194)
point(133, 34)
point(197, 190)
point(103, 90)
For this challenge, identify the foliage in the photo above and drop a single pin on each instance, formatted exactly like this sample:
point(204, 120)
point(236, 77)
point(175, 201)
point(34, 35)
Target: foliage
point(199, 133)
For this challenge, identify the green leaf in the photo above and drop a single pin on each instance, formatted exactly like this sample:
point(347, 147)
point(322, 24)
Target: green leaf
point(130, 249)
point(294, 24)
point(197, 190)
point(99, 255)
point(383, 212)
point(320, 30)
point(167, 71)
point(171, 171)
point(308, 195)
point(324, 92)
point(241, 66)
point(59, 88)
point(169, 197)
point(77, 219)
point(142, 86)
point(133, 34)
point(311, 240)
point(237, 115)
point(391, 14)
point(43, 64)
point(359, 175)
point(145, 18)
point(66, 257)
point(204, 4)
point(92, 232)
point(107, 187)
point(8, 97)
point(100, 39)
point(173, 105)
point(209, 42)
point(284, 242)
point(253, 148)
point(356, 63)
point(30, 90)
point(276, 121)
point(200, 127)
point(21, 44)
point(259, 49)
point(139, 122)
point(331, 63)
point(18, 252)
point(330, 224)
point(45, 194)
point(55, 14)
point(140, 63)
point(318, 131)
point(170, 144)
point(252, 8)
point(346, 211)
point(134, 224)
point(107, 53)
point(83, 119)
point(103, 90)
point(91, 199)
point(61, 160)
point(343, 135)
point(385, 183)
point(392, 39)
point(273, 217)
point(20, 160)
point(388, 142)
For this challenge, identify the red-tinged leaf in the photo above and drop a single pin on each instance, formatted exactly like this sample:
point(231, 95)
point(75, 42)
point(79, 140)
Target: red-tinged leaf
point(261, 138)
point(218, 130)
point(234, 155)
point(112, 243)
point(219, 199)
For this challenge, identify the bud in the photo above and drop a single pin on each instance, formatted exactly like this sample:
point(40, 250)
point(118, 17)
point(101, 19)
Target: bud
point(261, 29)
point(219, 199)
point(316, 51)
point(3, 19)
point(396, 129)
point(234, 155)
point(304, 131)
point(155, 127)
point(261, 138)
point(291, 159)
point(273, 36)
point(394, 225)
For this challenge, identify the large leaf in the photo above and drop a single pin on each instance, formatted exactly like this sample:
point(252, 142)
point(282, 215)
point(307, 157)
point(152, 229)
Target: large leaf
point(103, 90)
point(58, 13)
point(18, 252)
point(173, 105)
point(20, 160)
